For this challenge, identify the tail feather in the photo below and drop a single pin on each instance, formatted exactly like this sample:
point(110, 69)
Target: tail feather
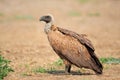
point(97, 66)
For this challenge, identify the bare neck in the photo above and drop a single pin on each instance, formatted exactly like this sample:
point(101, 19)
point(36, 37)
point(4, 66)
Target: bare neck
point(47, 27)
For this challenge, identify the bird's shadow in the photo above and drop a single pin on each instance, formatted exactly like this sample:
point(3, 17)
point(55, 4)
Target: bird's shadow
point(61, 72)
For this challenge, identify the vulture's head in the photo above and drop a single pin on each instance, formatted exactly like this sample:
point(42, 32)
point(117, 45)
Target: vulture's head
point(47, 18)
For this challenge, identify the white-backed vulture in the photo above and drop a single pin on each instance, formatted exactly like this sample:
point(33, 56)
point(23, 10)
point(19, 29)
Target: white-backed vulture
point(71, 47)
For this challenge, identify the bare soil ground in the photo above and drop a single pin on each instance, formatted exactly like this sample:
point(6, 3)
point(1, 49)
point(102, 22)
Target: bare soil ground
point(23, 41)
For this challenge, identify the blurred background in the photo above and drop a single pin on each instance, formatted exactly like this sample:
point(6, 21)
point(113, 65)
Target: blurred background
point(22, 37)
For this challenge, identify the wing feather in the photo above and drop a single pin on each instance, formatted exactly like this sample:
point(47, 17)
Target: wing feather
point(81, 37)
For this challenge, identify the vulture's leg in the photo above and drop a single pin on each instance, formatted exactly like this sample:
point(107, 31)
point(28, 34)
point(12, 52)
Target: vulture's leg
point(67, 66)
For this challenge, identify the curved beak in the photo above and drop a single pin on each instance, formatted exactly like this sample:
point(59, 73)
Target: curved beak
point(41, 18)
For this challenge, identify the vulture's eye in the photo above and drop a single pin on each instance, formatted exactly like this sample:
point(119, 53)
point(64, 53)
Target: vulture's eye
point(48, 17)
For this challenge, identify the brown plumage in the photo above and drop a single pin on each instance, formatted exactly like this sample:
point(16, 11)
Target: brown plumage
point(71, 47)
